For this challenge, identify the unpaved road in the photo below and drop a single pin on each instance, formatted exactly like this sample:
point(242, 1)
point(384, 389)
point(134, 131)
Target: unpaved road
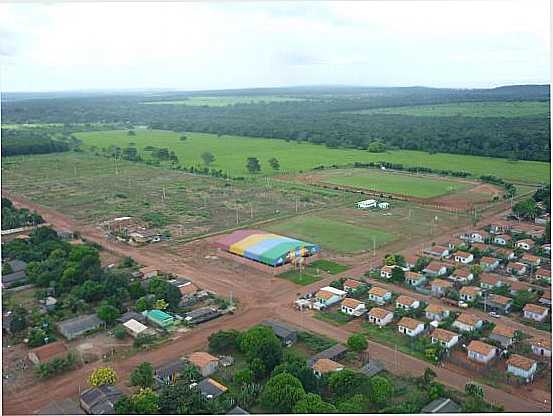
point(261, 297)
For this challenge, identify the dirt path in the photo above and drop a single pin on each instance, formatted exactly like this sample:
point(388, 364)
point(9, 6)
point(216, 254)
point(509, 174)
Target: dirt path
point(260, 296)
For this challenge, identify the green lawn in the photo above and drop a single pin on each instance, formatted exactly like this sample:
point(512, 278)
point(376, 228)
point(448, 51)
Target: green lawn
point(231, 153)
point(330, 234)
point(306, 277)
point(390, 336)
point(226, 100)
point(329, 266)
point(405, 184)
point(472, 109)
point(333, 317)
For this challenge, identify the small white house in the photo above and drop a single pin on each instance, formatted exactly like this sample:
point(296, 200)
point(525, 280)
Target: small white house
point(489, 263)
point(525, 244)
point(461, 275)
point(470, 293)
point(435, 269)
point(491, 281)
point(368, 203)
point(516, 268)
point(379, 295)
point(353, 307)
point(502, 239)
point(325, 366)
point(328, 296)
point(445, 338)
point(351, 285)
point(410, 327)
point(435, 312)
point(522, 367)
point(467, 322)
point(380, 317)
point(535, 312)
point(440, 287)
point(407, 303)
point(541, 347)
point(474, 236)
point(414, 279)
point(437, 251)
point(464, 257)
point(481, 352)
point(386, 272)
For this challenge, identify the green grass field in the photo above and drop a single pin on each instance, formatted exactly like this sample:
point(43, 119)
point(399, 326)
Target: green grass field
point(231, 152)
point(226, 100)
point(335, 235)
point(472, 109)
point(329, 266)
point(405, 184)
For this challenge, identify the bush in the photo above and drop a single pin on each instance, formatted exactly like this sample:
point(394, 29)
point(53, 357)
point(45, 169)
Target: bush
point(56, 366)
point(119, 332)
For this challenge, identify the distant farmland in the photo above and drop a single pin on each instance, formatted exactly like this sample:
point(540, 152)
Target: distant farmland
point(231, 152)
point(470, 109)
point(224, 100)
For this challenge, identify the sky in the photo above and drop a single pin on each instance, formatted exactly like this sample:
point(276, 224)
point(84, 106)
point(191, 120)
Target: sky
point(223, 45)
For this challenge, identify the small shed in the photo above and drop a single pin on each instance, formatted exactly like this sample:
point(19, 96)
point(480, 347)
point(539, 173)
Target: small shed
point(127, 316)
point(333, 353)
point(100, 400)
point(159, 318)
point(197, 316)
point(167, 374)
point(211, 388)
point(441, 405)
point(134, 328)
point(287, 334)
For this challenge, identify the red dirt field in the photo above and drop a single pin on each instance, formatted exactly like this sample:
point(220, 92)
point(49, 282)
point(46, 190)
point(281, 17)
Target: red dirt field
point(260, 296)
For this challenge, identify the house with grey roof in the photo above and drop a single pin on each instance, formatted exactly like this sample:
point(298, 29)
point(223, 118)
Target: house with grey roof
point(441, 405)
point(287, 334)
point(100, 400)
point(72, 328)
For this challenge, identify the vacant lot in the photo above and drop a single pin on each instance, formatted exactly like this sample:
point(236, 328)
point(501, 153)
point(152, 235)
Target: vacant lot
point(350, 230)
point(92, 189)
point(397, 183)
point(478, 109)
point(225, 101)
point(231, 153)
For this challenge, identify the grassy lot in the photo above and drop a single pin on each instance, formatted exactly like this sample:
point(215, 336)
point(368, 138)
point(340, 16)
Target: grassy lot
point(226, 100)
point(231, 152)
point(87, 188)
point(306, 277)
point(405, 184)
point(472, 109)
point(389, 335)
point(333, 317)
point(329, 266)
point(336, 235)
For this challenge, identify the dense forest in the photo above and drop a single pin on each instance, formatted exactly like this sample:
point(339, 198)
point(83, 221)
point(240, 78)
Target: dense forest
point(23, 142)
point(13, 217)
point(322, 116)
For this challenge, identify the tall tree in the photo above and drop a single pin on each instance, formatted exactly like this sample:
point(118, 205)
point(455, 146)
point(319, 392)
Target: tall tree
point(253, 166)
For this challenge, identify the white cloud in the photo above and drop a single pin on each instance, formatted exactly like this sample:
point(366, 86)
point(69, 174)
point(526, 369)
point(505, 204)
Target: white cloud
point(229, 45)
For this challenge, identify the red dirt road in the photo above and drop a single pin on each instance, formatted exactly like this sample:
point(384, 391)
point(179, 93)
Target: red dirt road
point(260, 296)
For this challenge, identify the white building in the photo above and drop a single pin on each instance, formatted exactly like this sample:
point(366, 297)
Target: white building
point(407, 303)
point(353, 307)
point(541, 347)
point(368, 203)
point(410, 327)
point(535, 312)
point(134, 328)
point(328, 296)
point(445, 338)
point(379, 295)
point(467, 322)
point(481, 352)
point(464, 257)
point(522, 367)
point(380, 317)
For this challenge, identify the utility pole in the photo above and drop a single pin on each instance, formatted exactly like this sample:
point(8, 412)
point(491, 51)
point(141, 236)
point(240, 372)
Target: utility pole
point(237, 215)
point(296, 205)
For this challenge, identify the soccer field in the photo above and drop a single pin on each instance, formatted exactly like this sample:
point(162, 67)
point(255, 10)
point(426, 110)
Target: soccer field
point(231, 153)
point(397, 183)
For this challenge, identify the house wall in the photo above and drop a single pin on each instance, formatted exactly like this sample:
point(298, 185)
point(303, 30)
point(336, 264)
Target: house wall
point(381, 322)
point(209, 369)
point(534, 316)
point(505, 342)
point(411, 332)
point(528, 374)
point(541, 352)
point(473, 355)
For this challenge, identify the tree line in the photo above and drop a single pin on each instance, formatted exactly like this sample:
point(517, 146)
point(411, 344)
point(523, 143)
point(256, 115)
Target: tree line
point(325, 119)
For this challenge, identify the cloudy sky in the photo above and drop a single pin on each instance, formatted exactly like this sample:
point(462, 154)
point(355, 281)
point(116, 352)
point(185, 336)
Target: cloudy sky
point(215, 45)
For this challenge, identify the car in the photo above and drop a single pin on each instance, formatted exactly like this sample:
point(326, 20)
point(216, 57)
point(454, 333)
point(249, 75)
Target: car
point(494, 314)
point(463, 304)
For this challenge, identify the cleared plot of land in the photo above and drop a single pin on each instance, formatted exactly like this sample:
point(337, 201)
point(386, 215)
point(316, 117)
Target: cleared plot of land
point(350, 230)
point(476, 109)
point(231, 152)
point(404, 184)
point(89, 189)
point(224, 100)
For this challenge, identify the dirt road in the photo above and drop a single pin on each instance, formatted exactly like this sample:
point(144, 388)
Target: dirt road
point(260, 296)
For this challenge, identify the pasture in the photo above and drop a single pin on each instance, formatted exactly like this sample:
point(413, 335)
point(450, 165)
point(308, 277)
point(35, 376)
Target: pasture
point(347, 230)
point(397, 183)
point(469, 109)
point(92, 189)
point(223, 101)
point(231, 152)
